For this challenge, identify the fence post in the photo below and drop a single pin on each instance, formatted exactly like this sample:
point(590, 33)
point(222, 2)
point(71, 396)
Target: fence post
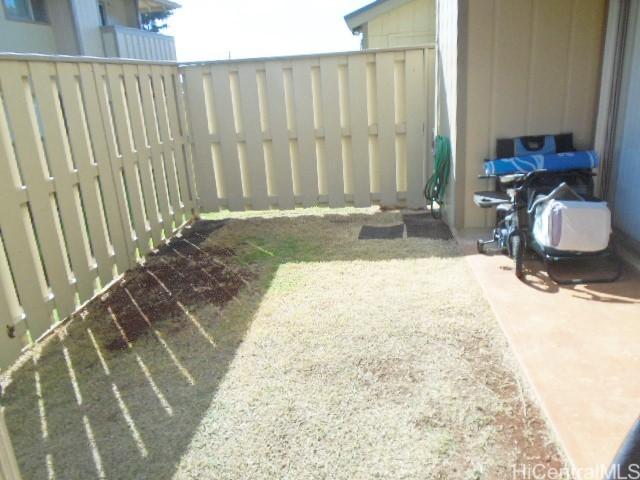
point(8, 465)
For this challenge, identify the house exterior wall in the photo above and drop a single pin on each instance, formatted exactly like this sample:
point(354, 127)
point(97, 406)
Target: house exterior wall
point(531, 67)
point(63, 26)
point(24, 37)
point(61, 35)
point(121, 12)
point(410, 25)
point(623, 192)
point(74, 27)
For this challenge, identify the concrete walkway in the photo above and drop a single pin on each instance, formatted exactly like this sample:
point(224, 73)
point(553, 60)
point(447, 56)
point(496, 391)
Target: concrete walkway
point(579, 346)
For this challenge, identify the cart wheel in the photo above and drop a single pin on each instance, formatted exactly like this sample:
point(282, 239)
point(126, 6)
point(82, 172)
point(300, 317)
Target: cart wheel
point(517, 252)
point(480, 246)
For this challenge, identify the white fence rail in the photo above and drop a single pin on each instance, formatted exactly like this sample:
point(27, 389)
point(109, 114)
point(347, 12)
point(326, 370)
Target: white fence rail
point(95, 171)
point(327, 129)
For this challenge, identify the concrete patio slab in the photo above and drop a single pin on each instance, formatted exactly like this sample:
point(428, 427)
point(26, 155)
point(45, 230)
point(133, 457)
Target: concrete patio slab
point(579, 347)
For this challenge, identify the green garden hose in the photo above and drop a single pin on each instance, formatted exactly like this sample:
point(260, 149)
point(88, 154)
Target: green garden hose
point(434, 190)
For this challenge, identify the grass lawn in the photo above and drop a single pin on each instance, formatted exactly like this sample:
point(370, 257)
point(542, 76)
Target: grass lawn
point(281, 346)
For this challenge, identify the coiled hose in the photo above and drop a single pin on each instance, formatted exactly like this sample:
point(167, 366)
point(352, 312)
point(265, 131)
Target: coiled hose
point(434, 190)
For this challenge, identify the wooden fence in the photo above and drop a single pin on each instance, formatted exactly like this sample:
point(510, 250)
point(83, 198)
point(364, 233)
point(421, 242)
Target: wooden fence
point(101, 160)
point(8, 465)
point(95, 171)
point(96, 163)
point(330, 129)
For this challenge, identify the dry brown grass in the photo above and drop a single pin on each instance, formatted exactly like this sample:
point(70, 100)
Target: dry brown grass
point(340, 359)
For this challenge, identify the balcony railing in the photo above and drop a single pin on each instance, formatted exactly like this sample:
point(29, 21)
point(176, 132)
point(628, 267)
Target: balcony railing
point(125, 42)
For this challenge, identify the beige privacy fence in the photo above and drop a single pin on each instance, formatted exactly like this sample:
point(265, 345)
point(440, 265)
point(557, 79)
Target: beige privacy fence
point(8, 466)
point(102, 160)
point(328, 129)
point(94, 172)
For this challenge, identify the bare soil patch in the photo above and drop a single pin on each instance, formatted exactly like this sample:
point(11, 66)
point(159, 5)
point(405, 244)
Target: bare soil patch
point(180, 276)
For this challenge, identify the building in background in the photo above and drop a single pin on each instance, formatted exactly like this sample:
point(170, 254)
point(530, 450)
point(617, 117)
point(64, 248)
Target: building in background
point(394, 23)
point(97, 28)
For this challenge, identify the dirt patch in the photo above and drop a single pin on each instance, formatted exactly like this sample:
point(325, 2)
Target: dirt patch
point(521, 424)
point(178, 277)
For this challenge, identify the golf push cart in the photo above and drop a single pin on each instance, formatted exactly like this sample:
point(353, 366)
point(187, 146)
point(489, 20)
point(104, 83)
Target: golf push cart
point(544, 202)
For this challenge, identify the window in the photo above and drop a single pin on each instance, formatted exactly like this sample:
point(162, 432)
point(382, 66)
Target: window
point(28, 10)
point(103, 14)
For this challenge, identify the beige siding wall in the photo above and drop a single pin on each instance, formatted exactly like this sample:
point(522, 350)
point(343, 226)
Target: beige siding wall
point(58, 35)
point(447, 92)
point(531, 67)
point(63, 27)
point(23, 37)
point(410, 25)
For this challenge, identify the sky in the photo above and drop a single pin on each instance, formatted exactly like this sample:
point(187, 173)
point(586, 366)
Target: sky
point(219, 29)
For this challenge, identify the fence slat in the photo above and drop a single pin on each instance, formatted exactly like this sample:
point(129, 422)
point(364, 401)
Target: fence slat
point(18, 240)
point(205, 175)
point(127, 152)
point(279, 134)
point(303, 102)
point(10, 312)
point(156, 148)
point(228, 137)
point(415, 131)
point(141, 151)
point(166, 140)
point(9, 469)
point(250, 108)
point(92, 82)
point(59, 156)
point(332, 130)
point(22, 251)
point(386, 127)
point(359, 130)
point(180, 92)
point(81, 148)
point(177, 126)
point(21, 110)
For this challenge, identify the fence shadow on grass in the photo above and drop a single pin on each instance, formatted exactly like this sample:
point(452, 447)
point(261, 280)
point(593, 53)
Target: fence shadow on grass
point(120, 391)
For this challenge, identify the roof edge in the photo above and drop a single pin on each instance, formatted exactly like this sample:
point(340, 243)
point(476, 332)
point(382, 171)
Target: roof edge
point(357, 18)
point(161, 5)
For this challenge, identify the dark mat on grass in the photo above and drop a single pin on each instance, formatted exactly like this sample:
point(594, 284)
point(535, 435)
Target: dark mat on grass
point(390, 232)
point(424, 225)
